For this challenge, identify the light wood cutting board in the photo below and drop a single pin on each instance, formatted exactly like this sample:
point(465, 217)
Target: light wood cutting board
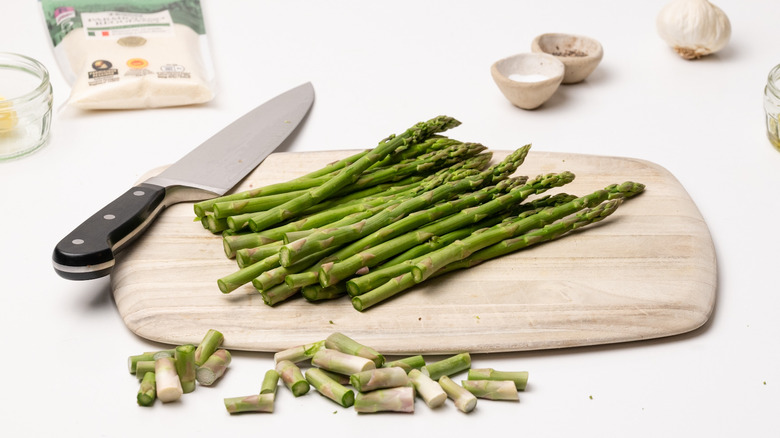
point(646, 272)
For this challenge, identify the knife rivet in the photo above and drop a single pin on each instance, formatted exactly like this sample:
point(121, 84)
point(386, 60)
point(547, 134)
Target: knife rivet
point(109, 217)
point(139, 193)
point(77, 241)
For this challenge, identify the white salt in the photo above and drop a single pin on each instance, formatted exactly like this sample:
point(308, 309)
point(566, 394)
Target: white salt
point(534, 77)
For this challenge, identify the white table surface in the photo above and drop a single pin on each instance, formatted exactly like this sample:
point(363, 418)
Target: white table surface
point(377, 70)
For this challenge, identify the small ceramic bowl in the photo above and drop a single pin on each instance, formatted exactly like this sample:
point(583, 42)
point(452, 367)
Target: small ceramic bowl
point(581, 55)
point(528, 79)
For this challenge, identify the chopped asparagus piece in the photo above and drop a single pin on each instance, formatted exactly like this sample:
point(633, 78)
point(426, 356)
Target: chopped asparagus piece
point(492, 389)
point(143, 367)
point(299, 353)
point(378, 378)
point(464, 400)
point(185, 366)
point(292, 377)
point(345, 344)
point(447, 367)
point(329, 387)
point(520, 378)
point(167, 381)
point(342, 363)
point(250, 403)
point(399, 399)
point(213, 368)
point(211, 341)
point(270, 382)
point(147, 392)
point(132, 361)
point(429, 389)
point(407, 363)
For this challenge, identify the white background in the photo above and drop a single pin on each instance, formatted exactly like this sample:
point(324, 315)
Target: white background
point(377, 69)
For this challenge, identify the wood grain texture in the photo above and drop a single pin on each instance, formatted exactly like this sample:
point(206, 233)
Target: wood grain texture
point(646, 272)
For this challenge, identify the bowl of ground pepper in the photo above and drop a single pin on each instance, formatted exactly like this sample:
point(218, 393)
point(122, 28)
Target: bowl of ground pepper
point(579, 54)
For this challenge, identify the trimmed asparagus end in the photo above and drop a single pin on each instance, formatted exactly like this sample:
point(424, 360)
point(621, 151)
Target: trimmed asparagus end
point(447, 367)
point(330, 388)
point(299, 353)
point(167, 381)
point(407, 363)
point(342, 363)
point(292, 377)
point(378, 378)
point(464, 400)
point(251, 403)
point(345, 344)
point(185, 366)
point(520, 378)
point(428, 389)
point(211, 341)
point(147, 392)
point(492, 389)
point(213, 368)
point(399, 399)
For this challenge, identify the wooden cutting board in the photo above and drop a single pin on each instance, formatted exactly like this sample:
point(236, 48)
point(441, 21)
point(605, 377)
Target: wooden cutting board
point(648, 271)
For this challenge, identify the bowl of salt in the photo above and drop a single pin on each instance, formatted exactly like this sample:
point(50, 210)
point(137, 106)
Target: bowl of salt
point(528, 79)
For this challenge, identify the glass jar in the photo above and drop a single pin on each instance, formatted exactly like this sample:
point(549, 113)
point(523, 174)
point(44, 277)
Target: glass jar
point(25, 105)
point(772, 106)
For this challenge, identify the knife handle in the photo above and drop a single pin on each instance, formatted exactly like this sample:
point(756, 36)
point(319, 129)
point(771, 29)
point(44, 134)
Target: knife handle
point(88, 251)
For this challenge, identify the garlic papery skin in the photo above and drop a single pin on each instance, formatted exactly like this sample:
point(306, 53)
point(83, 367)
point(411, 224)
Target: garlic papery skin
point(693, 28)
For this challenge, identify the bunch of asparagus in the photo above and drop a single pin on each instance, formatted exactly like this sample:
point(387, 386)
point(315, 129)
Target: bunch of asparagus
point(355, 375)
point(372, 225)
point(167, 374)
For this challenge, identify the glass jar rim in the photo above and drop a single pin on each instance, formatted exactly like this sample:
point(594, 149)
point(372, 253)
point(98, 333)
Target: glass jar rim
point(29, 65)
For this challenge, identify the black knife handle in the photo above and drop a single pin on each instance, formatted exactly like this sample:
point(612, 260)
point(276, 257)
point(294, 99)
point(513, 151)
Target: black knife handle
point(88, 251)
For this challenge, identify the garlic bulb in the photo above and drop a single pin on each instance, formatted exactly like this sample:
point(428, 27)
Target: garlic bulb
point(693, 28)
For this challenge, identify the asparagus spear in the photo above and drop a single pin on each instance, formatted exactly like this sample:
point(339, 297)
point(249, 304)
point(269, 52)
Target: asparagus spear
point(231, 208)
point(447, 367)
point(147, 392)
point(249, 256)
point(233, 243)
point(399, 399)
point(208, 345)
point(407, 363)
point(492, 389)
point(464, 400)
point(300, 352)
point(378, 378)
point(520, 378)
point(292, 377)
point(315, 292)
point(330, 388)
point(250, 403)
point(167, 381)
point(428, 389)
point(349, 174)
point(185, 366)
point(213, 368)
point(345, 344)
point(278, 293)
point(342, 363)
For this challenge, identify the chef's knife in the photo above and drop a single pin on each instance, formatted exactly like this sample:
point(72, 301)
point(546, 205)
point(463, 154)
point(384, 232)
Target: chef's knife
point(209, 170)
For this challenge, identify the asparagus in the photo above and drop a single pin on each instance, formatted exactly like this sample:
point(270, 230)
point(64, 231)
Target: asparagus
point(292, 377)
point(249, 256)
point(279, 274)
point(143, 367)
point(278, 293)
point(213, 368)
point(270, 382)
point(342, 363)
point(428, 389)
point(399, 399)
point(147, 392)
point(345, 344)
point(234, 243)
point(300, 352)
point(208, 345)
point(330, 388)
point(132, 361)
point(520, 378)
point(447, 367)
point(185, 366)
point(464, 400)
point(167, 382)
point(250, 403)
point(378, 378)
point(492, 389)
point(407, 363)
point(349, 174)
point(315, 292)
point(231, 208)
point(236, 279)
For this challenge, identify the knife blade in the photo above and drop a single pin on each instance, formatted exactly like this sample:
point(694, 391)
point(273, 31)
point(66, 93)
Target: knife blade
point(209, 170)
